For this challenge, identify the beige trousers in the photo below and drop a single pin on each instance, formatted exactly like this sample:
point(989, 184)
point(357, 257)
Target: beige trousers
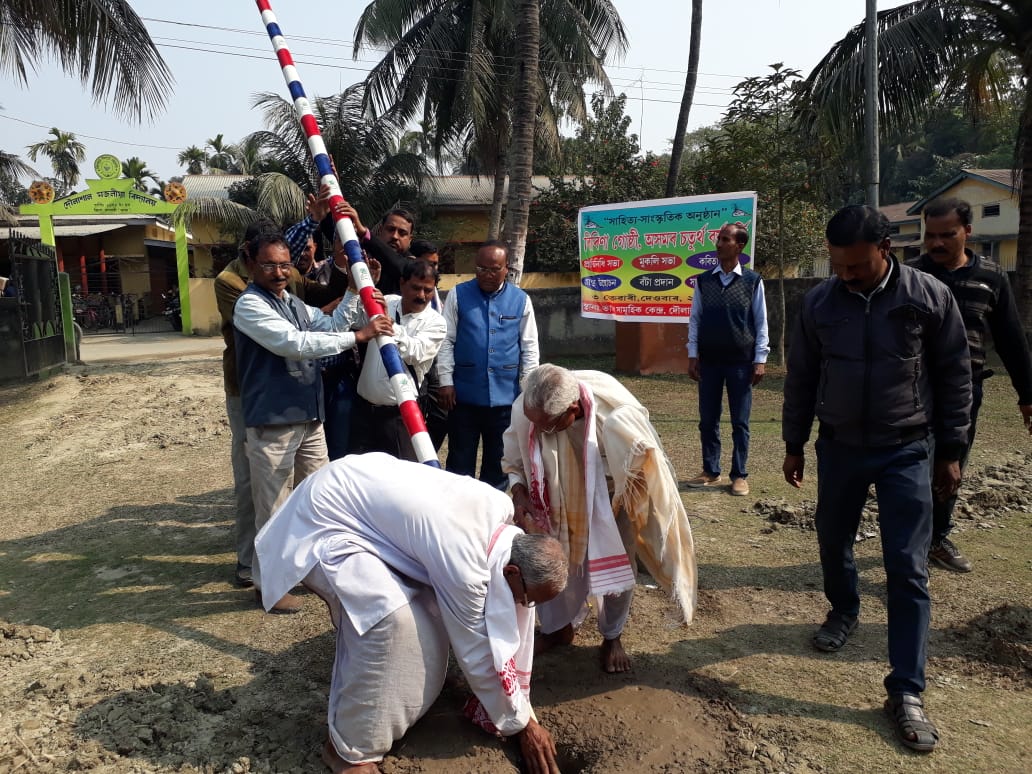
point(280, 456)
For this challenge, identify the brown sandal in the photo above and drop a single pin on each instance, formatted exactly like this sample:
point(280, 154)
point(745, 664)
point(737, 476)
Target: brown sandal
point(913, 727)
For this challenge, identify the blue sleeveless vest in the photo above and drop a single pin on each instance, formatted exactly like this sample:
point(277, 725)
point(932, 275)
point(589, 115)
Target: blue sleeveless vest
point(273, 389)
point(487, 344)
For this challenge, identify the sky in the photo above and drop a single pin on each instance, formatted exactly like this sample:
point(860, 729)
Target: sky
point(220, 56)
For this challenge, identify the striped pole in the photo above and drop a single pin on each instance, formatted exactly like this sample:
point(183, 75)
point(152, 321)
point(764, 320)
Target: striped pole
point(401, 383)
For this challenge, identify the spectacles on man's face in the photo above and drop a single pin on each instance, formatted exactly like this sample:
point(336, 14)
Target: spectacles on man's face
point(553, 426)
point(526, 602)
point(272, 268)
point(492, 271)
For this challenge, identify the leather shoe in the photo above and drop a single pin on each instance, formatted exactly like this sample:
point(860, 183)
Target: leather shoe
point(242, 577)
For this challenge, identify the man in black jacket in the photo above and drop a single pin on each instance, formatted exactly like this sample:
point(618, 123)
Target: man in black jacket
point(879, 355)
point(986, 303)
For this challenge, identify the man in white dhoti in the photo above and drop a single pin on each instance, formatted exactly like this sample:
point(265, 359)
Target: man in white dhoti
point(586, 465)
point(410, 559)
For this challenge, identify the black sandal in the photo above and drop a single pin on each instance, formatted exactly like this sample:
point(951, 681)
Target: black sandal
point(913, 727)
point(834, 633)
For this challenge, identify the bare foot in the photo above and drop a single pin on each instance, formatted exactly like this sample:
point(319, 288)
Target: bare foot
point(614, 658)
point(338, 765)
point(545, 642)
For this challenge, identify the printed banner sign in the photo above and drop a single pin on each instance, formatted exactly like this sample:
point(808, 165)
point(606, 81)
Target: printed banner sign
point(639, 260)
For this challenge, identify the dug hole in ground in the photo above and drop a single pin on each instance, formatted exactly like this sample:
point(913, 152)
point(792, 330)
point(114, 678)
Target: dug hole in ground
point(126, 648)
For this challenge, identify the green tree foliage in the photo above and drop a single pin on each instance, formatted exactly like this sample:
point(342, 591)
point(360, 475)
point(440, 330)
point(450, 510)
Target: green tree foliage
point(601, 165)
point(757, 148)
point(373, 176)
point(103, 42)
point(194, 159)
point(965, 49)
point(456, 65)
point(65, 153)
point(136, 170)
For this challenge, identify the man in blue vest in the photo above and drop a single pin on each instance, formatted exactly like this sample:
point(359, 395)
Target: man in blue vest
point(492, 344)
point(279, 340)
point(727, 345)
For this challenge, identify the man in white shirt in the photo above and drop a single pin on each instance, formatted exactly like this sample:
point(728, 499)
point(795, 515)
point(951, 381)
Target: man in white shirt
point(727, 347)
point(410, 559)
point(418, 332)
point(278, 342)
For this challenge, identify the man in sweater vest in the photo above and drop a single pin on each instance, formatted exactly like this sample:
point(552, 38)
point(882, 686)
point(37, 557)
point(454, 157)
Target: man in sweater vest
point(986, 303)
point(492, 344)
point(727, 346)
point(279, 340)
point(229, 284)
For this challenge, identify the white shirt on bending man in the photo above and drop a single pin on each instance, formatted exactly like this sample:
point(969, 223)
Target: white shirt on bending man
point(371, 548)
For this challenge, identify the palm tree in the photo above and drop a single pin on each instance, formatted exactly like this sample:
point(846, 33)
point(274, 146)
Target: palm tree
point(193, 158)
point(103, 42)
point(65, 153)
point(521, 167)
point(373, 176)
point(930, 48)
point(221, 158)
point(691, 77)
point(12, 167)
point(136, 170)
point(455, 65)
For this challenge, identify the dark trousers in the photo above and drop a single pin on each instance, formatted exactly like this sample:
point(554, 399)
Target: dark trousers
point(339, 395)
point(942, 510)
point(468, 426)
point(713, 378)
point(381, 428)
point(902, 479)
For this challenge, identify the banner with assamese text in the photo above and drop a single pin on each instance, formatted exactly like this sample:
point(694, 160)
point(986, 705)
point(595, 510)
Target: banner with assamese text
point(639, 260)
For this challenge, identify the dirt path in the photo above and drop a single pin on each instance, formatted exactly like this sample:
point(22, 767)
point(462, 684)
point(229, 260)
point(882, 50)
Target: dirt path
point(124, 647)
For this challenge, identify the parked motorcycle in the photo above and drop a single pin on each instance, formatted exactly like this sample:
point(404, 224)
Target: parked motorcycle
point(173, 309)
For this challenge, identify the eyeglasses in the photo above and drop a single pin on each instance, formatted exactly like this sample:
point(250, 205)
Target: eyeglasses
point(272, 268)
point(494, 271)
point(526, 602)
point(553, 426)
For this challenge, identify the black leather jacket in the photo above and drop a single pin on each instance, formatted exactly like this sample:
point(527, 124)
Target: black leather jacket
point(879, 372)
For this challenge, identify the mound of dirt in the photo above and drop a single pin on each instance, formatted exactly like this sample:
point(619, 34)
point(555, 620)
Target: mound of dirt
point(1001, 640)
point(19, 642)
point(986, 497)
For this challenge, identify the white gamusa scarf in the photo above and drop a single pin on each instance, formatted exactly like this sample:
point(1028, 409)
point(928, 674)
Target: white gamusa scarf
point(609, 571)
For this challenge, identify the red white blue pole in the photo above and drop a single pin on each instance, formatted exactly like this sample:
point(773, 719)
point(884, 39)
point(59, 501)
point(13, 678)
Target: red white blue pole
point(401, 382)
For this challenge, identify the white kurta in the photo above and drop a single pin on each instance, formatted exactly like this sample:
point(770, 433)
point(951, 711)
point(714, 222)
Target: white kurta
point(430, 526)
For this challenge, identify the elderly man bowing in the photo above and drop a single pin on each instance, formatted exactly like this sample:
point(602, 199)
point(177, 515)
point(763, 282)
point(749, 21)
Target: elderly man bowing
point(576, 437)
point(406, 570)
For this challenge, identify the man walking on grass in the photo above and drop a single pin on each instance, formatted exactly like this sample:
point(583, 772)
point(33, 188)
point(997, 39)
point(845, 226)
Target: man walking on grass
point(880, 356)
point(987, 305)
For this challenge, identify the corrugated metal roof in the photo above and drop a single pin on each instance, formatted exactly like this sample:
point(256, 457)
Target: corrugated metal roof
point(33, 232)
point(471, 191)
point(210, 186)
point(1001, 177)
point(897, 213)
point(446, 190)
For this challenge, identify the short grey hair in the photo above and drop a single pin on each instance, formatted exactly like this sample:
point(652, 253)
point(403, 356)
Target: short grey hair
point(550, 389)
point(541, 561)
